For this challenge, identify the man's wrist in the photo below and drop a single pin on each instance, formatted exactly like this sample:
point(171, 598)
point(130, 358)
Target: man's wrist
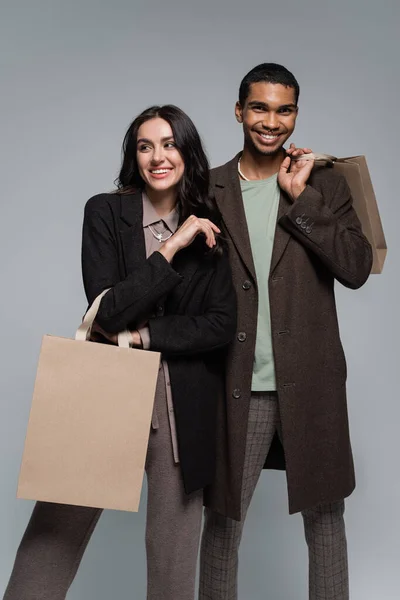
point(295, 193)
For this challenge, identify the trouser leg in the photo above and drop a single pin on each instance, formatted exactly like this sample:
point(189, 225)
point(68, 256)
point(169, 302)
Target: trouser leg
point(173, 518)
point(51, 551)
point(327, 550)
point(222, 535)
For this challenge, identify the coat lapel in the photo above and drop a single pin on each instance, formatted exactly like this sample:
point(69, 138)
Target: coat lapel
point(134, 246)
point(132, 236)
point(228, 196)
point(229, 199)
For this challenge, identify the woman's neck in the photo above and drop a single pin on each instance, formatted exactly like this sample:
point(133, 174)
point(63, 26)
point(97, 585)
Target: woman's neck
point(163, 201)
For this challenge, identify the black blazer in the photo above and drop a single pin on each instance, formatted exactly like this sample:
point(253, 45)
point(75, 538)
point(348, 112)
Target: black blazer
point(198, 318)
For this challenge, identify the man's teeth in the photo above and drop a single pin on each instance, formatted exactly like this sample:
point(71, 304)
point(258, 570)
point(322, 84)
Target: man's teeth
point(269, 137)
point(159, 171)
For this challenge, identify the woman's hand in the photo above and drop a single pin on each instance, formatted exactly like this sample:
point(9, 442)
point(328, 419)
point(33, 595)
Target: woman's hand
point(136, 340)
point(186, 233)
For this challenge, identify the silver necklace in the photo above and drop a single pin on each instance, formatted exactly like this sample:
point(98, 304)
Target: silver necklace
point(158, 235)
point(240, 172)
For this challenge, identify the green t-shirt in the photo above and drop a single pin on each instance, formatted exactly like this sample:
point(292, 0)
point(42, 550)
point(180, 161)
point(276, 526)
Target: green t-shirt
point(261, 201)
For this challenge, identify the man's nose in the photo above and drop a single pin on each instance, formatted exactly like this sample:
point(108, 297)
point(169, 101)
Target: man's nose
point(271, 121)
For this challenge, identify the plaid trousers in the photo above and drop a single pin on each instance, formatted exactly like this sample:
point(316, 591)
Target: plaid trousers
point(324, 525)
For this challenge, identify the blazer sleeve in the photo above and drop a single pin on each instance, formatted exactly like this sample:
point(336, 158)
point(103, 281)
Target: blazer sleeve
point(175, 335)
point(129, 300)
point(326, 223)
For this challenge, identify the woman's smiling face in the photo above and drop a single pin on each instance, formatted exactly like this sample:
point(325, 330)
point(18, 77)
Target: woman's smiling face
point(160, 163)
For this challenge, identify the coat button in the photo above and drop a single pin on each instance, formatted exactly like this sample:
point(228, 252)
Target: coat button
point(160, 310)
point(309, 229)
point(241, 336)
point(236, 393)
point(246, 284)
point(299, 220)
point(303, 225)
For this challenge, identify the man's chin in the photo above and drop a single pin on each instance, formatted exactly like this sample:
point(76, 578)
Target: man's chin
point(273, 151)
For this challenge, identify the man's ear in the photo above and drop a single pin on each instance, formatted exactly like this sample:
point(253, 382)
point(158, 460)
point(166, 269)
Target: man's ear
point(239, 112)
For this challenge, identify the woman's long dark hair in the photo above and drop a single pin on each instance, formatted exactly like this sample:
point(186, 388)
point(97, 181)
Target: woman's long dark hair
point(193, 189)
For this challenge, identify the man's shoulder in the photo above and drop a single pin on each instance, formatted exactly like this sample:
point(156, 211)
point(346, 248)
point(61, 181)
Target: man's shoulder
point(325, 178)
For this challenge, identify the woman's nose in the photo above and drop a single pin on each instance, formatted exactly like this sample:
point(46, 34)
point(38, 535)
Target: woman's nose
point(158, 156)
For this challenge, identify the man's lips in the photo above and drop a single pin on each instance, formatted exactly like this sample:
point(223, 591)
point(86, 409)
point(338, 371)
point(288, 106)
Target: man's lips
point(267, 138)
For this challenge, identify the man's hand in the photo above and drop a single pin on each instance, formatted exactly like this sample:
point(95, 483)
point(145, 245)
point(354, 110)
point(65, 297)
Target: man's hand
point(293, 174)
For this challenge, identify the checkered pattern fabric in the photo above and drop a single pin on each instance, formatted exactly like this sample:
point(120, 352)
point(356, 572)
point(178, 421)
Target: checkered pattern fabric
point(324, 525)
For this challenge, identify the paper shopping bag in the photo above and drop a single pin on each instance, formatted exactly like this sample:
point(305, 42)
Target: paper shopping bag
point(355, 170)
point(89, 423)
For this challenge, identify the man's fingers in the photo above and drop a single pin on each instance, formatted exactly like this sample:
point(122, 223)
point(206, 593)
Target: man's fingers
point(285, 164)
point(305, 168)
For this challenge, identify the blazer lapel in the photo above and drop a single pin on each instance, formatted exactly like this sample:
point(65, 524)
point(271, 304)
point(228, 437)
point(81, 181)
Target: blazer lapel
point(228, 196)
point(134, 245)
point(132, 236)
point(281, 235)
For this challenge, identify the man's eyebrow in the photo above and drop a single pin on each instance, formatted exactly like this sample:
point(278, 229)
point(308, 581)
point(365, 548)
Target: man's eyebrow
point(265, 105)
point(146, 141)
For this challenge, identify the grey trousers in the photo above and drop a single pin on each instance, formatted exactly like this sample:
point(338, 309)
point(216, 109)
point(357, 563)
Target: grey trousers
point(57, 535)
point(324, 525)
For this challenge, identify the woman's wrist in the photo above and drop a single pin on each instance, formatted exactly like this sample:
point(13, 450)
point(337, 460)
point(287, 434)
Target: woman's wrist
point(168, 250)
point(136, 340)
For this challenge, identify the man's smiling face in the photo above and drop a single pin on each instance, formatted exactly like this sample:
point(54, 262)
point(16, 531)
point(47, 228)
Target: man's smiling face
point(268, 117)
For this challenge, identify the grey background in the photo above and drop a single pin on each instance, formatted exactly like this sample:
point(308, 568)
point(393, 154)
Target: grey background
point(73, 75)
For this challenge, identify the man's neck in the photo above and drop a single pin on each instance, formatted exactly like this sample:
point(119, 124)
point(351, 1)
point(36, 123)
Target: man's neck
point(164, 202)
point(256, 166)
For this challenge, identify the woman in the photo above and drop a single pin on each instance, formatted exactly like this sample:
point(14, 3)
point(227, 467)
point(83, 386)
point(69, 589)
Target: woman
point(154, 243)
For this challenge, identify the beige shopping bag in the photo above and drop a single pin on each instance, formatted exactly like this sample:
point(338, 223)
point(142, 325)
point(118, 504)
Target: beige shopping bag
point(90, 420)
point(355, 170)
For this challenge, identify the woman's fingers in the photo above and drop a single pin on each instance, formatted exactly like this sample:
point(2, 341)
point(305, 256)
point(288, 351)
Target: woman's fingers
point(192, 227)
point(206, 228)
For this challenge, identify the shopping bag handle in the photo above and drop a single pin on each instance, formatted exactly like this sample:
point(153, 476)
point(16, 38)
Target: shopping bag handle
point(318, 157)
point(83, 332)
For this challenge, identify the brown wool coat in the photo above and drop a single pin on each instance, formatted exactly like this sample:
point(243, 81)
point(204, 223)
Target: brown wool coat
point(318, 239)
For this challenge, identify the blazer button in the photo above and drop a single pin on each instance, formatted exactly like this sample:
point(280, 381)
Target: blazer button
point(303, 225)
point(241, 336)
point(246, 284)
point(309, 229)
point(299, 220)
point(160, 310)
point(236, 393)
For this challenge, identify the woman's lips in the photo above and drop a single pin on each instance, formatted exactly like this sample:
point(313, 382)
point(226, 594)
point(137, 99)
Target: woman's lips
point(159, 173)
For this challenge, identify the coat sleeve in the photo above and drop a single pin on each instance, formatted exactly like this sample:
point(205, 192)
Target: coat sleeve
point(175, 335)
point(129, 300)
point(327, 224)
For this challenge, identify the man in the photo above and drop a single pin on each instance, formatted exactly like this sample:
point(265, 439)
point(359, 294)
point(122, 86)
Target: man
point(291, 231)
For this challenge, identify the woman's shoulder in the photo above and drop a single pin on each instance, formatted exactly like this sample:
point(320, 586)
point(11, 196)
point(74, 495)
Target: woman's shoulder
point(101, 203)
